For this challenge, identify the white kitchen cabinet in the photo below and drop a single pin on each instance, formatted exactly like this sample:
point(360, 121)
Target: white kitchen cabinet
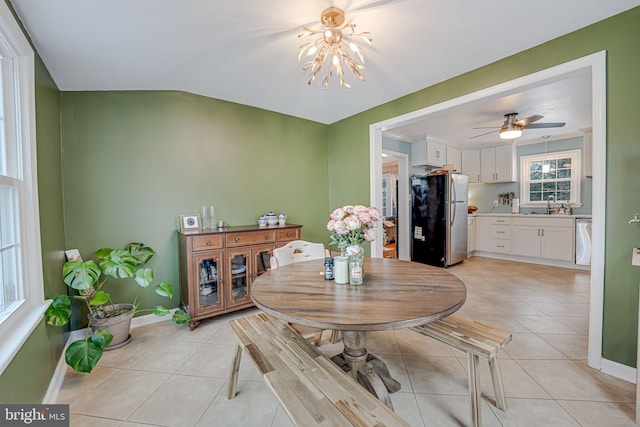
point(471, 235)
point(428, 153)
point(493, 234)
point(482, 233)
point(454, 157)
point(497, 164)
point(549, 238)
point(471, 164)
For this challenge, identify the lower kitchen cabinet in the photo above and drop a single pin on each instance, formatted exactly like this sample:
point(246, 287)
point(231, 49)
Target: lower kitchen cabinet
point(539, 236)
point(471, 235)
point(493, 234)
point(549, 238)
point(218, 267)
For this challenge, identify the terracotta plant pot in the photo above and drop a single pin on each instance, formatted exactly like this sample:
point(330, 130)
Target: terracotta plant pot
point(119, 326)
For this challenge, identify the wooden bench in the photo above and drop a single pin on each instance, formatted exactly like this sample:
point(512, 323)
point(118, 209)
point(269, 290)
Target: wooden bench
point(309, 386)
point(477, 340)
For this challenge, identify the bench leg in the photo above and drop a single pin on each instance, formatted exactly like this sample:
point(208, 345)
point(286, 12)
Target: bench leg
point(498, 387)
point(474, 390)
point(233, 375)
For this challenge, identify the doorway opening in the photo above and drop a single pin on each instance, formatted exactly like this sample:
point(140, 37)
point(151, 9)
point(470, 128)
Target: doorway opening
point(395, 202)
point(594, 64)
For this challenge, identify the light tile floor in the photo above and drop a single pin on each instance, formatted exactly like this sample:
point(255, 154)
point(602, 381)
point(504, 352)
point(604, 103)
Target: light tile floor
point(170, 376)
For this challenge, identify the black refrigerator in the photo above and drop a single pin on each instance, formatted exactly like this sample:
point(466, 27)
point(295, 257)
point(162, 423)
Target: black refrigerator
point(439, 218)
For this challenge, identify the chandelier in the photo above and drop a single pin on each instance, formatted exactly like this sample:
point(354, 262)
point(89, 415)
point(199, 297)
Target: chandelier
point(337, 41)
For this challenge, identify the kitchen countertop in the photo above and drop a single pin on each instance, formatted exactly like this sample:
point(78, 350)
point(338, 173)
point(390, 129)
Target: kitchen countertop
point(541, 215)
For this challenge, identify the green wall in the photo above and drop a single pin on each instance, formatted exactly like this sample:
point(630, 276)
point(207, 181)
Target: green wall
point(134, 161)
point(619, 35)
point(27, 377)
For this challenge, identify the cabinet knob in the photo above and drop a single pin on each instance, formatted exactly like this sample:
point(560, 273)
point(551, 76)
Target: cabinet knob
point(208, 242)
point(237, 240)
point(266, 237)
point(288, 234)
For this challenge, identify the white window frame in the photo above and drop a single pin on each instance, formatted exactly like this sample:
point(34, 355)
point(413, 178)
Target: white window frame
point(25, 316)
point(525, 161)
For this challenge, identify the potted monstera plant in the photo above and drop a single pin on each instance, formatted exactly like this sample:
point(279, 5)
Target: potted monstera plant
point(109, 322)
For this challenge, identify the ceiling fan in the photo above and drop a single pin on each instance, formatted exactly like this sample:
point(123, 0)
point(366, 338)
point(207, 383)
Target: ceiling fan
point(512, 127)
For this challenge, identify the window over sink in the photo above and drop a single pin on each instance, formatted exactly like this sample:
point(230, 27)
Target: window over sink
point(551, 175)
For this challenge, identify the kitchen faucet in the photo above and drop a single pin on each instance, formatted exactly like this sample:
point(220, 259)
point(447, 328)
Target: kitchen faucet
point(549, 206)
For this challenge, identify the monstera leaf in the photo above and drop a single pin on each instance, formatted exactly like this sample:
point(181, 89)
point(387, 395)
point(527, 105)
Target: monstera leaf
point(84, 355)
point(140, 252)
point(80, 275)
point(119, 264)
point(59, 311)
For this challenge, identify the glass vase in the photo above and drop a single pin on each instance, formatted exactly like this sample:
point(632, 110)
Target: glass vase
point(356, 264)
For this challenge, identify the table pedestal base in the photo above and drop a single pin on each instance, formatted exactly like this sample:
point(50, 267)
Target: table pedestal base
point(371, 372)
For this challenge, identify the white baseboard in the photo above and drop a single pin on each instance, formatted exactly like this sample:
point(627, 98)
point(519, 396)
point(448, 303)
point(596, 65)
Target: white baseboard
point(618, 370)
point(530, 260)
point(58, 375)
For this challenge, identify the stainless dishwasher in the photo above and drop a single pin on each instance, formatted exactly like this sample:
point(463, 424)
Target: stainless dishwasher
point(583, 241)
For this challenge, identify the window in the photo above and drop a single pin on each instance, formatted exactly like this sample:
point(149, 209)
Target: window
point(21, 289)
point(551, 175)
point(388, 195)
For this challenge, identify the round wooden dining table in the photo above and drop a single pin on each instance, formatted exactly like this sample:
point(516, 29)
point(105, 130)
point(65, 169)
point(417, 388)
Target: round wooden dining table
point(395, 294)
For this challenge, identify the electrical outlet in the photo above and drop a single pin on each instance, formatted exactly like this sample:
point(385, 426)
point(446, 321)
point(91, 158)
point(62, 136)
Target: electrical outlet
point(495, 203)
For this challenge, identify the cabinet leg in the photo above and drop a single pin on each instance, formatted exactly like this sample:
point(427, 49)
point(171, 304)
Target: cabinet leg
point(193, 325)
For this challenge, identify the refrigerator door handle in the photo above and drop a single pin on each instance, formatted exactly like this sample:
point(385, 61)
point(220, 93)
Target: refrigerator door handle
point(453, 201)
point(453, 212)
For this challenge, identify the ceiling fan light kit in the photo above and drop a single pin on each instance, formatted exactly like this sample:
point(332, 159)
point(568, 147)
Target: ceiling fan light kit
point(512, 128)
point(337, 40)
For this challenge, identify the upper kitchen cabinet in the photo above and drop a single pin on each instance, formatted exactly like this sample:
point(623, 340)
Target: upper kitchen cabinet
point(454, 157)
point(497, 164)
point(428, 153)
point(471, 164)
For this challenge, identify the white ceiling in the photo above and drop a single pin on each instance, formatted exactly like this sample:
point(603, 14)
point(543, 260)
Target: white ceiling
point(246, 51)
point(566, 99)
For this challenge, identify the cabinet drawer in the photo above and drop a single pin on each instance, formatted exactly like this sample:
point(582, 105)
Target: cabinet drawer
point(250, 238)
point(500, 246)
point(288, 234)
point(202, 243)
point(501, 221)
point(500, 231)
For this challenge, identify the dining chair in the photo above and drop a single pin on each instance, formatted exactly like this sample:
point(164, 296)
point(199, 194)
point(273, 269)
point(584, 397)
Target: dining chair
point(298, 251)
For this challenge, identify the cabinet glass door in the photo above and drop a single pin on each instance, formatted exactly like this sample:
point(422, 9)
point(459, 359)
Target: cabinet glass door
point(239, 274)
point(262, 259)
point(209, 276)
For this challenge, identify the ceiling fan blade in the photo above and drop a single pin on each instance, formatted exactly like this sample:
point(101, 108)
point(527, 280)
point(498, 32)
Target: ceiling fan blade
point(527, 120)
point(483, 134)
point(544, 125)
point(487, 127)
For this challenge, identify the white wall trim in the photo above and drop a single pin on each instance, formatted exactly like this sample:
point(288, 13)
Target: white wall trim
point(596, 62)
point(618, 370)
point(57, 378)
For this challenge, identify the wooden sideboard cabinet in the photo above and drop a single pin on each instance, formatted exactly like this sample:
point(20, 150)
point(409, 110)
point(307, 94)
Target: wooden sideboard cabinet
point(218, 267)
